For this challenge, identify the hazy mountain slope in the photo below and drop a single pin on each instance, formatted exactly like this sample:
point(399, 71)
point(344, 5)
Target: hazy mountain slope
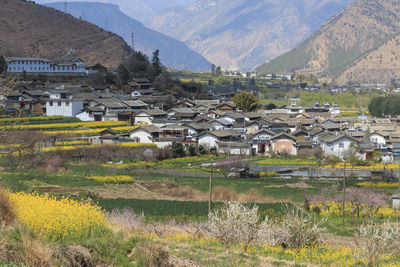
point(245, 33)
point(173, 53)
point(142, 10)
point(361, 28)
point(28, 29)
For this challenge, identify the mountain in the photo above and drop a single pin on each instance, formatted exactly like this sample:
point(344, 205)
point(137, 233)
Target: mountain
point(360, 44)
point(173, 53)
point(241, 34)
point(142, 10)
point(28, 29)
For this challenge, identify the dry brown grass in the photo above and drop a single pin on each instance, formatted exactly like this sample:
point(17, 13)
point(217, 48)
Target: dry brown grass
point(7, 213)
point(219, 194)
point(35, 253)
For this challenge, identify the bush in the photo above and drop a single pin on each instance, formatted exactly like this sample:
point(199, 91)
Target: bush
point(235, 223)
point(374, 240)
point(297, 229)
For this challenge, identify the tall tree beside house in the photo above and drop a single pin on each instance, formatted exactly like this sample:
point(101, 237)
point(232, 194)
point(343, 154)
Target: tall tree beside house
point(3, 65)
point(156, 63)
point(123, 74)
point(245, 101)
point(213, 69)
point(218, 71)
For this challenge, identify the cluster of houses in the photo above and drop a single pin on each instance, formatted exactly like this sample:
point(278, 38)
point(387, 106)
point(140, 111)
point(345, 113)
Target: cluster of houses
point(214, 124)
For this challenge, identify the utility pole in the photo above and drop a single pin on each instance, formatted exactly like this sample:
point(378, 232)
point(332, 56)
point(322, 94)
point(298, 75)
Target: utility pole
point(133, 44)
point(344, 191)
point(65, 6)
point(210, 187)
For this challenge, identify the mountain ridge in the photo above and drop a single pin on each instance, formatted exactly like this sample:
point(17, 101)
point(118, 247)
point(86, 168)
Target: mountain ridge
point(237, 34)
point(343, 42)
point(46, 32)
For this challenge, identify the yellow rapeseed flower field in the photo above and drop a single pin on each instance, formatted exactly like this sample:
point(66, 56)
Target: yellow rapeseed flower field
point(378, 184)
point(133, 165)
point(93, 131)
point(118, 179)
point(72, 143)
point(37, 118)
point(58, 219)
point(90, 124)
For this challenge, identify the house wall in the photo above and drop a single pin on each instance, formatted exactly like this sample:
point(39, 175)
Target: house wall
point(252, 129)
point(377, 139)
point(163, 144)
point(143, 119)
point(284, 146)
point(84, 116)
point(65, 108)
point(143, 136)
point(208, 141)
point(43, 66)
point(235, 150)
point(336, 149)
point(37, 108)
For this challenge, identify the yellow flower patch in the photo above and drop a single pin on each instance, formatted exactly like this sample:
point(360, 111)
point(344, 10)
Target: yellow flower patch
point(58, 219)
point(132, 165)
point(91, 124)
point(378, 185)
point(72, 143)
point(120, 179)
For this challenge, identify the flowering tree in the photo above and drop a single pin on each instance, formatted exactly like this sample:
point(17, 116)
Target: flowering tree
point(235, 223)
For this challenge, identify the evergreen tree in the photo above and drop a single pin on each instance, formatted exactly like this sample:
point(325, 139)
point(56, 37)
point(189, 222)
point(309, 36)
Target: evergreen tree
point(156, 63)
point(218, 71)
point(3, 65)
point(213, 70)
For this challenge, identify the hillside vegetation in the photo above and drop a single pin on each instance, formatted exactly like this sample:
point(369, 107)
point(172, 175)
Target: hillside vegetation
point(358, 45)
point(28, 29)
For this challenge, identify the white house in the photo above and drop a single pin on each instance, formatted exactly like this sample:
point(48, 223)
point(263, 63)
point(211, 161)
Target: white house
point(234, 148)
point(62, 104)
point(210, 139)
point(145, 134)
point(337, 145)
point(377, 139)
point(147, 116)
point(36, 65)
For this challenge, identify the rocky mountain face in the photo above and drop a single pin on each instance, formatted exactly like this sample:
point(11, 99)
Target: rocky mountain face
point(173, 53)
point(241, 34)
point(28, 29)
point(360, 44)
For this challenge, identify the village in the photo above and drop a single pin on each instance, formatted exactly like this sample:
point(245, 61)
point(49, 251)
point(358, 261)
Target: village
point(214, 125)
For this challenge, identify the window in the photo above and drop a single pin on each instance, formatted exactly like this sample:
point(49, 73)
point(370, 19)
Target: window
point(59, 103)
point(67, 103)
point(341, 145)
point(51, 103)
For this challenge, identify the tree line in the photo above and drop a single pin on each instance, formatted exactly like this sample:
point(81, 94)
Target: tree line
point(384, 106)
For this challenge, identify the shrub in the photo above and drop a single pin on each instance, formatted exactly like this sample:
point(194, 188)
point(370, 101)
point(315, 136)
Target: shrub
point(375, 240)
point(148, 254)
point(178, 150)
point(235, 223)
point(125, 219)
point(297, 229)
